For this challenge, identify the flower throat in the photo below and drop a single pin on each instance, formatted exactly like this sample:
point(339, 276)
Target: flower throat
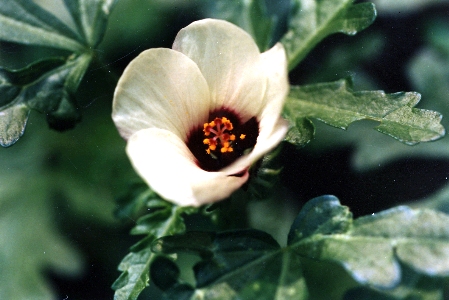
point(218, 143)
point(221, 128)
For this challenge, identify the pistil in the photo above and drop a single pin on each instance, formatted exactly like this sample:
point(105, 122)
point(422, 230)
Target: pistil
point(222, 137)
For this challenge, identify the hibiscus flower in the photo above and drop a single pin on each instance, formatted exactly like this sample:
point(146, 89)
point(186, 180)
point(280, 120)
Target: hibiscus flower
point(197, 116)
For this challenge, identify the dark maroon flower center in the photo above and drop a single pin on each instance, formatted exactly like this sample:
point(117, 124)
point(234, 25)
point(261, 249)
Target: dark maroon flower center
point(224, 138)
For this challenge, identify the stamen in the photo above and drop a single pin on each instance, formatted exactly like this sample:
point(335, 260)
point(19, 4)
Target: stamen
point(220, 128)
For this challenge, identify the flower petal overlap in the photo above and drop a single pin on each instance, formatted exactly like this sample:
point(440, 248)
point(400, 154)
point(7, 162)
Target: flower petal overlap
point(166, 96)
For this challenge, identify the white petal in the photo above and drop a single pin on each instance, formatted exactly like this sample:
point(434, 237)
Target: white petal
point(272, 128)
point(229, 59)
point(163, 160)
point(161, 88)
point(274, 63)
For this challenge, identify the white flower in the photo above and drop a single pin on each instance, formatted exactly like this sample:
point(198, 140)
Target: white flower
point(198, 115)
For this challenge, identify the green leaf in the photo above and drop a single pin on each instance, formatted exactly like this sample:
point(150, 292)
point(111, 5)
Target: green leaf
point(165, 274)
point(412, 125)
point(264, 179)
point(245, 264)
point(90, 17)
point(374, 250)
point(301, 133)
point(322, 215)
point(337, 105)
point(133, 202)
point(163, 219)
point(428, 71)
point(23, 21)
point(261, 24)
point(78, 67)
point(413, 286)
point(45, 94)
point(251, 16)
point(312, 20)
point(14, 110)
point(26, 75)
point(52, 91)
point(46, 86)
point(12, 124)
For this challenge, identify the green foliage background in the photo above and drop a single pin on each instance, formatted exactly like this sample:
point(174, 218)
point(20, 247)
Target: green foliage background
point(66, 213)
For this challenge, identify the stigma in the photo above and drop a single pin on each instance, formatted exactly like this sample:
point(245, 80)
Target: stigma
point(219, 135)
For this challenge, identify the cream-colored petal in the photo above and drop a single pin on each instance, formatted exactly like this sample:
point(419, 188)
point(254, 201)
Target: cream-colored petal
point(274, 63)
point(230, 61)
point(161, 88)
point(266, 141)
point(163, 160)
point(272, 128)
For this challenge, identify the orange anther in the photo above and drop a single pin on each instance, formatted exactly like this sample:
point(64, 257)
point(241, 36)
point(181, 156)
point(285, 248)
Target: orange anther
point(219, 135)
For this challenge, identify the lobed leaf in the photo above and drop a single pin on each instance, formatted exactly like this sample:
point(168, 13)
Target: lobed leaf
point(165, 274)
point(163, 219)
point(46, 86)
point(14, 110)
point(375, 250)
point(301, 133)
point(413, 287)
point(412, 125)
point(428, 71)
point(246, 264)
point(374, 246)
point(90, 17)
point(323, 215)
point(265, 177)
point(12, 124)
point(134, 201)
point(312, 20)
point(23, 21)
point(336, 104)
